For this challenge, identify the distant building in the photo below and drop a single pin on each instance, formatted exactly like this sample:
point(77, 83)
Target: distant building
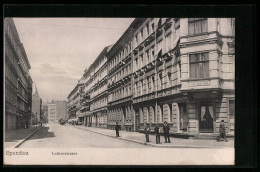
point(36, 105)
point(44, 112)
point(17, 81)
point(74, 102)
point(57, 110)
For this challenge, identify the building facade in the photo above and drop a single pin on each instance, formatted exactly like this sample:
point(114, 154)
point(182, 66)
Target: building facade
point(17, 80)
point(179, 70)
point(120, 67)
point(74, 105)
point(184, 74)
point(93, 92)
point(57, 110)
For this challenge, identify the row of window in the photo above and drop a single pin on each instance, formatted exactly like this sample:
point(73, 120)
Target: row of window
point(125, 71)
point(120, 56)
point(120, 93)
point(138, 38)
point(10, 94)
point(98, 90)
point(98, 103)
point(144, 59)
point(22, 105)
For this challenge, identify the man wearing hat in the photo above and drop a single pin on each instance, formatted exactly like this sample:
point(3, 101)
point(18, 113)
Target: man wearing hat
point(222, 131)
point(117, 129)
point(166, 130)
point(157, 134)
point(146, 131)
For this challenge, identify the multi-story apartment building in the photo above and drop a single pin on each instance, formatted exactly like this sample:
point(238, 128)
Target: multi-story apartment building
point(57, 110)
point(156, 71)
point(17, 80)
point(74, 105)
point(98, 92)
point(120, 69)
point(183, 74)
point(179, 70)
point(95, 91)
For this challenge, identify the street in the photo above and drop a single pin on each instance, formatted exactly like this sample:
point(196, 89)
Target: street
point(61, 136)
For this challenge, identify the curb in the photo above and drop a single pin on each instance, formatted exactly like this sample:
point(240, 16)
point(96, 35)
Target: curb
point(26, 138)
point(144, 143)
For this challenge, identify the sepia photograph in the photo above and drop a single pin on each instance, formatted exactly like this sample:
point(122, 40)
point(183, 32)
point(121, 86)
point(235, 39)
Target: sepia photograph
point(119, 91)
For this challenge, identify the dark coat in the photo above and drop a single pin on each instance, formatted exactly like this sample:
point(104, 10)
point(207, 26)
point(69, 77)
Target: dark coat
point(156, 130)
point(166, 129)
point(147, 129)
point(222, 128)
point(117, 127)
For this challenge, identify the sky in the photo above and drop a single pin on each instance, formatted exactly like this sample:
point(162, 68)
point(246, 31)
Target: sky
point(60, 49)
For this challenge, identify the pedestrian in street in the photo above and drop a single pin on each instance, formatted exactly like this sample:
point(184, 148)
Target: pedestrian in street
point(146, 131)
point(157, 133)
point(222, 132)
point(166, 130)
point(117, 129)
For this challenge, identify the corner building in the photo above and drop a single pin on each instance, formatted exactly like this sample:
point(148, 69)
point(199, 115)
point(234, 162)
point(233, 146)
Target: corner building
point(183, 73)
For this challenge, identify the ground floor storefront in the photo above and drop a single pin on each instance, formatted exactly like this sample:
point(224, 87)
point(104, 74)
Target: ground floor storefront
point(96, 119)
point(122, 114)
point(190, 112)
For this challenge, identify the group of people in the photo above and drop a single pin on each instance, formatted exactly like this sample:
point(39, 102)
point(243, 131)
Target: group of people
point(166, 132)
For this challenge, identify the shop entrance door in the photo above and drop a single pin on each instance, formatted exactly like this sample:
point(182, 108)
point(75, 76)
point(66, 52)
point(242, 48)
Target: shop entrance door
point(206, 117)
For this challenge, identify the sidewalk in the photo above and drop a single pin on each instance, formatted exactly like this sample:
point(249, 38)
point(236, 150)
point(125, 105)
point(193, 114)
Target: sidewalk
point(175, 142)
point(15, 137)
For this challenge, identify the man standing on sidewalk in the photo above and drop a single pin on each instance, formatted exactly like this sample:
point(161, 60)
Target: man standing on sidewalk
point(146, 131)
point(222, 131)
point(117, 129)
point(166, 130)
point(157, 134)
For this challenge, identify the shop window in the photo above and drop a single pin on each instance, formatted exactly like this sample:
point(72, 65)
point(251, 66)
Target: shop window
point(141, 115)
point(199, 65)
point(148, 115)
point(232, 115)
point(183, 116)
point(161, 108)
point(154, 114)
point(198, 25)
point(170, 112)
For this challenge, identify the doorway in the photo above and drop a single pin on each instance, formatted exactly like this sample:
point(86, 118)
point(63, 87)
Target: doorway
point(206, 116)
